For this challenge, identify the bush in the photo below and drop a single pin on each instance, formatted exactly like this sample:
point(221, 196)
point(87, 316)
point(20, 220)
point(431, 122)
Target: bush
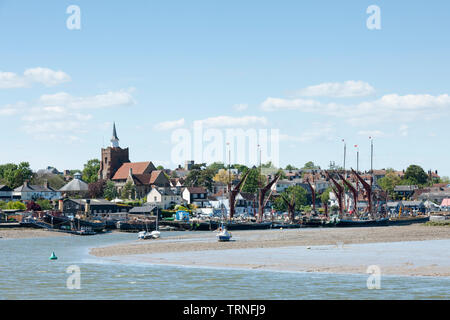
point(16, 205)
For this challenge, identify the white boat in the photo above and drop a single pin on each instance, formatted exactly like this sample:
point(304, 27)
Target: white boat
point(223, 234)
point(155, 234)
point(144, 235)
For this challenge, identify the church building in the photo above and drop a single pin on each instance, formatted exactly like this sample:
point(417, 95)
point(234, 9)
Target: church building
point(113, 158)
point(116, 166)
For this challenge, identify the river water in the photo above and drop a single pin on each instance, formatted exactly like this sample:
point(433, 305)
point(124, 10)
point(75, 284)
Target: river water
point(27, 273)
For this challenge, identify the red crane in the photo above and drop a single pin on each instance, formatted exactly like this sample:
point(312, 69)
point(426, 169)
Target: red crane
point(352, 189)
point(291, 206)
point(262, 194)
point(368, 189)
point(233, 193)
point(313, 195)
point(338, 191)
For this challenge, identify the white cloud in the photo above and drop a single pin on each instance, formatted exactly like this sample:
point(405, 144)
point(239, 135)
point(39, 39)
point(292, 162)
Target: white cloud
point(106, 100)
point(169, 125)
point(390, 107)
point(403, 130)
point(346, 89)
point(318, 131)
point(62, 117)
point(227, 121)
point(372, 133)
point(12, 109)
point(45, 76)
point(240, 107)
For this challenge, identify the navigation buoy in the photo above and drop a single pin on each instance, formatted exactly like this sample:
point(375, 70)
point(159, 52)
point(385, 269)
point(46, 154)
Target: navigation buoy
point(53, 256)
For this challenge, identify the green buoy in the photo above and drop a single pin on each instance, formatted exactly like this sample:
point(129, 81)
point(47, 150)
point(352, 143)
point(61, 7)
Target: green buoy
point(53, 256)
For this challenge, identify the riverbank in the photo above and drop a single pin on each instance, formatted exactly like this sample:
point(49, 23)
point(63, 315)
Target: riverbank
point(351, 250)
point(278, 238)
point(26, 233)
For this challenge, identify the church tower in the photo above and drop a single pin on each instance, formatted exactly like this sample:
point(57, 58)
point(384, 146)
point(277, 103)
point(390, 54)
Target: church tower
point(112, 158)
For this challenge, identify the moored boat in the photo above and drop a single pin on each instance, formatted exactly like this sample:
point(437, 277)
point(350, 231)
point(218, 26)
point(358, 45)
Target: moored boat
point(223, 234)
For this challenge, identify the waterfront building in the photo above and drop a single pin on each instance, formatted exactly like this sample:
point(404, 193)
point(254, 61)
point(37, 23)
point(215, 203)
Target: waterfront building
point(35, 192)
point(94, 207)
point(142, 175)
point(196, 196)
point(164, 198)
point(113, 158)
point(76, 187)
point(405, 190)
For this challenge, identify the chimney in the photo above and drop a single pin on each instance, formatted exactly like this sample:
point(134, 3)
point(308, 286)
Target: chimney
point(130, 172)
point(46, 184)
point(87, 207)
point(61, 205)
point(25, 183)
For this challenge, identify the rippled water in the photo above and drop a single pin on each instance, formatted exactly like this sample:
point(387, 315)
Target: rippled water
point(27, 273)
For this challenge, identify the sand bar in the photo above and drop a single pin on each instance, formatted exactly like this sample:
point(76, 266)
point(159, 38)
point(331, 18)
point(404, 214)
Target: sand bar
point(278, 238)
point(397, 250)
point(26, 233)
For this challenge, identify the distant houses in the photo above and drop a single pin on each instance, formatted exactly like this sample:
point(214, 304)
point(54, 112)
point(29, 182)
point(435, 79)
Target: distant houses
point(75, 188)
point(6, 193)
point(27, 192)
point(196, 196)
point(164, 198)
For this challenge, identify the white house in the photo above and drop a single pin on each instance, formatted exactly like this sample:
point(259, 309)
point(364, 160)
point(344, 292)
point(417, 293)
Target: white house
point(164, 198)
point(31, 192)
point(196, 195)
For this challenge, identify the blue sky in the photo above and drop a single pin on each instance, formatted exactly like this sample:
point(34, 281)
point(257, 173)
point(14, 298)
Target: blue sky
point(311, 69)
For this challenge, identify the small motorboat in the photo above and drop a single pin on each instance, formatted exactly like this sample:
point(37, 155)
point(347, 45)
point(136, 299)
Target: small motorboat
point(144, 235)
point(223, 234)
point(155, 234)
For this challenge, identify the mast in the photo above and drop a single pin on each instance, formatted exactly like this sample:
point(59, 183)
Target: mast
point(262, 194)
point(368, 188)
point(338, 191)
point(313, 194)
point(233, 193)
point(353, 190)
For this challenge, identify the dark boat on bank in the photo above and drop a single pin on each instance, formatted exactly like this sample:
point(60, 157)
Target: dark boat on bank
point(403, 221)
point(362, 223)
point(136, 226)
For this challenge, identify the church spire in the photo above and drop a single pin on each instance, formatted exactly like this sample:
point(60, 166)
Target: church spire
point(114, 139)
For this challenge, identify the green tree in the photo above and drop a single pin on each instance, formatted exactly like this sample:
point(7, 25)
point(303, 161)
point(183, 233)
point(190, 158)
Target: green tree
point(240, 167)
point(45, 204)
point(110, 191)
point(159, 167)
point(310, 165)
point(16, 205)
point(54, 180)
point(128, 191)
point(254, 181)
point(90, 171)
point(290, 167)
point(325, 196)
point(216, 166)
point(415, 175)
point(15, 175)
point(444, 179)
point(200, 177)
point(300, 198)
point(388, 183)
